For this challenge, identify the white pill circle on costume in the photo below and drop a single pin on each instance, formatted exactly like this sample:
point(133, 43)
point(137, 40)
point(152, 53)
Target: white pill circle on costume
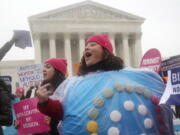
point(113, 131)
point(115, 116)
point(119, 87)
point(108, 93)
point(148, 123)
point(93, 113)
point(142, 110)
point(129, 88)
point(129, 105)
point(147, 93)
point(98, 102)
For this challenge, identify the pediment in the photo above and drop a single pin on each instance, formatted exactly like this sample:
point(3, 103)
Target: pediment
point(87, 10)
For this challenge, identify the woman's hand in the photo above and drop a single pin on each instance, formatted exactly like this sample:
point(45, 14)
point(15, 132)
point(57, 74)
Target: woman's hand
point(16, 124)
point(43, 93)
point(47, 119)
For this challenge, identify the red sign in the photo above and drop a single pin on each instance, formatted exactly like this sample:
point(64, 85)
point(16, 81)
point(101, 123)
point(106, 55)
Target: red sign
point(151, 60)
point(31, 120)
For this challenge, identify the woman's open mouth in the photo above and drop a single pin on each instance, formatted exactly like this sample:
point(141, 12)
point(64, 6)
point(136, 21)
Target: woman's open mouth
point(87, 54)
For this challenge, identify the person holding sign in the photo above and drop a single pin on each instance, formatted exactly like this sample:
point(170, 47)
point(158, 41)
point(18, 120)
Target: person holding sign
point(20, 93)
point(21, 38)
point(54, 73)
point(105, 98)
point(6, 47)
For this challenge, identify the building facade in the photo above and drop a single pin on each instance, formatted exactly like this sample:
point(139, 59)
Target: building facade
point(62, 33)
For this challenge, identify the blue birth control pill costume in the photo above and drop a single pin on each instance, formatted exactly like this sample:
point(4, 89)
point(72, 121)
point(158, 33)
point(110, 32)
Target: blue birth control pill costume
point(121, 102)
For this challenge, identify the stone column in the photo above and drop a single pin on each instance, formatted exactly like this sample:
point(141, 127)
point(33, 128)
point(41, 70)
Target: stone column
point(81, 45)
point(67, 50)
point(119, 47)
point(37, 48)
point(112, 39)
point(138, 49)
point(125, 49)
point(52, 45)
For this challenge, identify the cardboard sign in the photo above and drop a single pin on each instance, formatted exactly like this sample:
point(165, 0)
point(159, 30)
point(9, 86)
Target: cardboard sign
point(172, 92)
point(151, 60)
point(31, 120)
point(30, 75)
point(23, 38)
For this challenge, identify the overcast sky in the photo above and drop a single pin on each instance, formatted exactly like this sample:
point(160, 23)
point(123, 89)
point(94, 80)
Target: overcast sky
point(161, 28)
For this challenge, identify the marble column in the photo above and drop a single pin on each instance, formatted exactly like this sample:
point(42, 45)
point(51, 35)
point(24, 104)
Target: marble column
point(119, 52)
point(52, 45)
point(67, 50)
point(138, 49)
point(37, 48)
point(81, 45)
point(125, 49)
point(112, 39)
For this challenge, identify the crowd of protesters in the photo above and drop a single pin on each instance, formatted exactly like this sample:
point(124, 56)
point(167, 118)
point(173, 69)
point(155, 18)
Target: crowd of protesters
point(68, 102)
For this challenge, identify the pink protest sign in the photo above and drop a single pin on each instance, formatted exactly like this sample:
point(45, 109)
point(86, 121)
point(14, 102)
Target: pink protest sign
point(151, 60)
point(31, 120)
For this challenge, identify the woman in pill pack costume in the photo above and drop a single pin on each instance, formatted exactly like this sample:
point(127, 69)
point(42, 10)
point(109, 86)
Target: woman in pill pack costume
point(107, 98)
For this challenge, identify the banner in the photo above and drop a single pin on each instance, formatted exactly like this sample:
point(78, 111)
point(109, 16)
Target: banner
point(172, 92)
point(30, 75)
point(172, 62)
point(151, 60)
point(31, 120)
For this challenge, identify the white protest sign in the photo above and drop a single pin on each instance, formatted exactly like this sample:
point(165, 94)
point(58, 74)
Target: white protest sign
point(30, 75)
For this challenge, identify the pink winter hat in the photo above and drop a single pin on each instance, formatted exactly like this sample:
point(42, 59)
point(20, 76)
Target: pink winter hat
point(58, 63)
point(20, 90)
point(102, 40)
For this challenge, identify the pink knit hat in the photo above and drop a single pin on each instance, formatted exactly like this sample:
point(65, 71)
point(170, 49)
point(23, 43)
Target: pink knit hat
point(20, 90)
point(102, 40)
point(58, 63)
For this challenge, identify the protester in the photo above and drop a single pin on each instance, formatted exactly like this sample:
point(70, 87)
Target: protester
point(20, 93)
point(5, 106)
point(54, 73)
point(31, 91)
point(11, 130)
point(6, 47)
point(106, 97)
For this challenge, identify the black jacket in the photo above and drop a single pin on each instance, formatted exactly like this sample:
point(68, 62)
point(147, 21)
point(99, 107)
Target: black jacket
point(5, 106)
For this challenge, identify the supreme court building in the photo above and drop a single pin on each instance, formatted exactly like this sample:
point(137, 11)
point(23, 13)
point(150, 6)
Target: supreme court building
point(62, 32)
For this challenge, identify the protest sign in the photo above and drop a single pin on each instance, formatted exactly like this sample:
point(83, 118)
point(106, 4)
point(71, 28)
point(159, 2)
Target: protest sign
point(7, 80)
point(30, 75)
point(151, 60)
point(31, 120)
point(22, 38)
point(168, 64)
point(172, 92)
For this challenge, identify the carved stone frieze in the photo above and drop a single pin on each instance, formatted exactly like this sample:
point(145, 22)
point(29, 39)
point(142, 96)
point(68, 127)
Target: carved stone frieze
point(88, 12)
